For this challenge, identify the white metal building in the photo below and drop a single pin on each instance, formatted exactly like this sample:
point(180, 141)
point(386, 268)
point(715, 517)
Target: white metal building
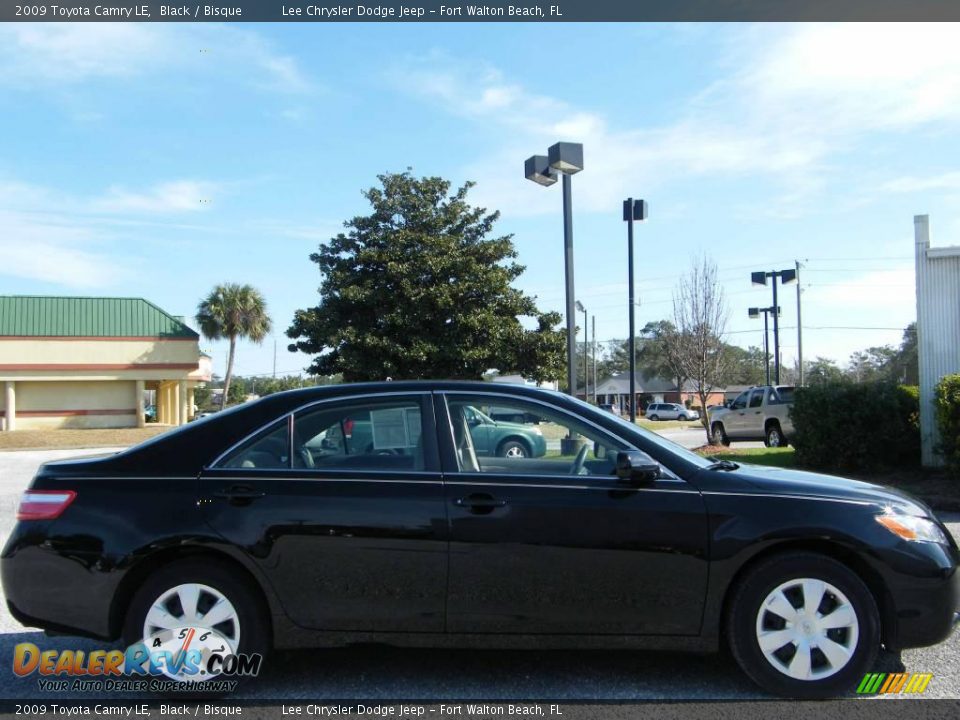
point(938, 326)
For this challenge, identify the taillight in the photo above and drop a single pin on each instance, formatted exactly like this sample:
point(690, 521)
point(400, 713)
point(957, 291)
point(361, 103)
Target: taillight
point(44, 504)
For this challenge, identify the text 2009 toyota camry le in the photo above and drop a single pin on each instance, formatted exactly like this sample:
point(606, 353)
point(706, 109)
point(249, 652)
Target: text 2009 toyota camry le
point(402, 512)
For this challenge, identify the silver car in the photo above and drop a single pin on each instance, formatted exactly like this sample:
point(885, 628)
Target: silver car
point(671, 411)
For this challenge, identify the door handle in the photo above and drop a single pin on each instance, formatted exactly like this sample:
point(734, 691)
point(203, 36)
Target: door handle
point(479, 502)
point(240, 494)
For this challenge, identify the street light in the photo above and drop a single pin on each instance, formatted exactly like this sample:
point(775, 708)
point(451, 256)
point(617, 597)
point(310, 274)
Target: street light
point(755, 313)
point(565, 159)
point(786, 277)
point(586, 366)
point(632, 210)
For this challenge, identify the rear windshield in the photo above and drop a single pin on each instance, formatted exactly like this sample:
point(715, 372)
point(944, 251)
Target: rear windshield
point(786, 394)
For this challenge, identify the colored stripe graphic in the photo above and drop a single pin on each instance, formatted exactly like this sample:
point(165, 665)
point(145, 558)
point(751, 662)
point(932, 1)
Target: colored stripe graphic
point(870, 683)
point(918, 683)
point(888, 684)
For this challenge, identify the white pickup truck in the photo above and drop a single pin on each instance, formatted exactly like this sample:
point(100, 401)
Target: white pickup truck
point(760, 413)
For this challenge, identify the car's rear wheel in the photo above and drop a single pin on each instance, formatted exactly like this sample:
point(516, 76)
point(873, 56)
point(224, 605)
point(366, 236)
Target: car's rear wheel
point(774, 436)
point(513, 449)
point(196, 593)
point(653, 417)
point(804, 625)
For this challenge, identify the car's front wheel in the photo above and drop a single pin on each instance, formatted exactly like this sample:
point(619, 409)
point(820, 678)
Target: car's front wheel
point(804, 625)
point(513, 449)
point(719, 435)
point(194, 593)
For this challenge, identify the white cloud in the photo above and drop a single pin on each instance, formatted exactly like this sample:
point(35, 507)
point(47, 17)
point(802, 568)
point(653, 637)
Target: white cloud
point(46, 250)
point(889, 293)
point(792, 99)
point(66, 54)
point(51, 236)
point(178, 196)
point(910, 183)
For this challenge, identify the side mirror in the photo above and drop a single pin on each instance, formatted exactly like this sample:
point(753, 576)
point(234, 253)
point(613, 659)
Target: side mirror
point(637, 467)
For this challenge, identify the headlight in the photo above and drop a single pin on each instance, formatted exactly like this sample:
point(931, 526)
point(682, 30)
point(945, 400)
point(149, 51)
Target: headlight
point(911, 527)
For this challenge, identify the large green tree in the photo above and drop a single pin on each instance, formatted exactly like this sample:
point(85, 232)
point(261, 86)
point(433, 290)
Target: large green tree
point(419, 289)
point(232, 311)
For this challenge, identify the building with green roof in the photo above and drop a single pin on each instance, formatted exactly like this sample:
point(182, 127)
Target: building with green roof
point(90, 362)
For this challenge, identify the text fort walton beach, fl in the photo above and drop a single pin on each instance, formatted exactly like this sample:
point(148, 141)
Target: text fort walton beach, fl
point(379, 11)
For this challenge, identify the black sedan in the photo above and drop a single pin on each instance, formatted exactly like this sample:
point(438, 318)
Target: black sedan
point(277, 524)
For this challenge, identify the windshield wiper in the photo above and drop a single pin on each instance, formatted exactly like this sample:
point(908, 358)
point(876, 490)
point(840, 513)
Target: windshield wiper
point(723, 465)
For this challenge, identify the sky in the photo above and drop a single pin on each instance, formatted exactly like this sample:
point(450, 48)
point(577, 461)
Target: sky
point(157, 160)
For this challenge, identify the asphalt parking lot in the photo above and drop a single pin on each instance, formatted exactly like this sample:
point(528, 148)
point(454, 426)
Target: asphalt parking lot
point(398, 674)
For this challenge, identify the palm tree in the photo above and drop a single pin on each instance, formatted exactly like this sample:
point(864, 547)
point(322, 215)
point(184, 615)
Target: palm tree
point(233, 311)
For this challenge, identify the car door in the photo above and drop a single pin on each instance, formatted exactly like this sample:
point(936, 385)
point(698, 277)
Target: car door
point(341, 506)
point(536, 547)
point(753, 419)
point(735, 421)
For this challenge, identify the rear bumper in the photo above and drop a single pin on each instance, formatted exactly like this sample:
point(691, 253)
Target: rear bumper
point(63, 593)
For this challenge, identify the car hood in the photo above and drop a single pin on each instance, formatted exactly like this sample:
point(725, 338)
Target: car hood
point(513, 426)
point(781, 481)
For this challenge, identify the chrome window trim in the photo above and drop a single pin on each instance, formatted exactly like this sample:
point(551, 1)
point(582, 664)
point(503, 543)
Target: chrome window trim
point(289, 417)
point(586, 421)
point(276, 475)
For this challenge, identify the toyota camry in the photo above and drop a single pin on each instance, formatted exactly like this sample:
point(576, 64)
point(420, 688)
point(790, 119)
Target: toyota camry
point(384, 512)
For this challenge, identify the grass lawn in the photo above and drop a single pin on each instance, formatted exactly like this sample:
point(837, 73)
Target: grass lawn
point(67, 439)
point(668, 424)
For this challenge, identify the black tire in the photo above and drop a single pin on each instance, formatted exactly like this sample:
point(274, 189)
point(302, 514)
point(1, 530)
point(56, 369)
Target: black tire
point(746, 606)
point(720, 435)
point(251, 610)
point(654, 418)
point(513, 448)
point(773, 436)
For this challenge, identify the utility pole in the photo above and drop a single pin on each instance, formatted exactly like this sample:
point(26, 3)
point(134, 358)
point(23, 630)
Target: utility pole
point(799, 328)
point(593, 348)
point(274, 358)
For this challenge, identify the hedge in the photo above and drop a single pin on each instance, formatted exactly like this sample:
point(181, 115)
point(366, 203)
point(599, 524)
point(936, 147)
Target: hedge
point(946, 400)
point(843, 426)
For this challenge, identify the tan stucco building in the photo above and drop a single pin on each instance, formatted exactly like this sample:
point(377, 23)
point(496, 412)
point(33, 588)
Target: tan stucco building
point(83, 362)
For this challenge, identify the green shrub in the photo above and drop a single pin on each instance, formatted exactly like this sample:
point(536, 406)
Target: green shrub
point(843, 426)
point(946, 400)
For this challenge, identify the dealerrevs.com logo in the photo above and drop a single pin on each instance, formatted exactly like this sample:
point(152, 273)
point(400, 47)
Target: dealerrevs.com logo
point(891, 683)
point(187, 659)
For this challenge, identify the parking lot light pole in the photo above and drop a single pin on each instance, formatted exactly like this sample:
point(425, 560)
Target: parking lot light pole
point(632, 210)
point(786, 277)
point(755, 313)
point(566, 159)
